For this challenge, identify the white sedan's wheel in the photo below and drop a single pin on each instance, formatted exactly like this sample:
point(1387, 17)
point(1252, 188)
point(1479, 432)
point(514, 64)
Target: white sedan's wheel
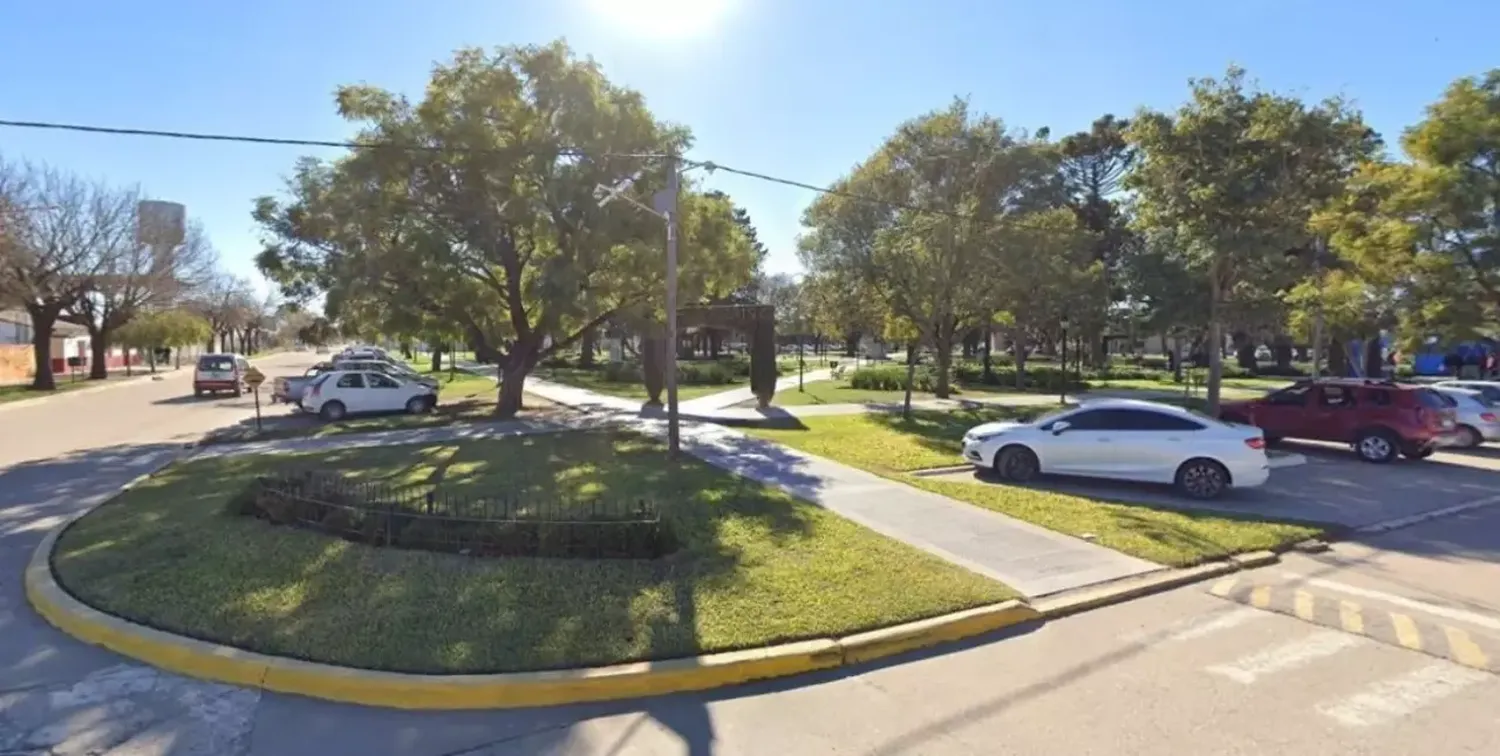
point(1202, 479)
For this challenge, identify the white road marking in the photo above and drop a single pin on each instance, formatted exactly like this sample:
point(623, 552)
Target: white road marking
point(1482, 620)
point(1398, 697)
point(1287, 656)
point(1206, 626)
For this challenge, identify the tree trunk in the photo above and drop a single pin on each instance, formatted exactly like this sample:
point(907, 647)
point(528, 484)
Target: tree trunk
point(209, 347)
point(1337, 362)
point(151, 359)
point(98, 355)
point(512, 386)
point(944, 345)
point(989, 341)
point(715, 344)
point(42, 322)
point(587, 347)
point(654, 365)
point(1019, 347)
point(911, 377)
point(1216, 346)
point(437, 359)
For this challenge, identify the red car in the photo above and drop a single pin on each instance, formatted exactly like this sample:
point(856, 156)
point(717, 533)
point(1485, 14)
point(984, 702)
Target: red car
point(1379, 418)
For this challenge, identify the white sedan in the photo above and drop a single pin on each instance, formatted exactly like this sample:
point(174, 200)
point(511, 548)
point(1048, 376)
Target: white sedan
point(335, 394)
point(1125, 439)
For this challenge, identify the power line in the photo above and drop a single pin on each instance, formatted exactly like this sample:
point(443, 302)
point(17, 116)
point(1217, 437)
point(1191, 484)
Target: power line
point(706, 164)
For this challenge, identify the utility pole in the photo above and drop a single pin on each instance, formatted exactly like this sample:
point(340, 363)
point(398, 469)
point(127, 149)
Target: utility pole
point(1319, 248)
point(674, 427)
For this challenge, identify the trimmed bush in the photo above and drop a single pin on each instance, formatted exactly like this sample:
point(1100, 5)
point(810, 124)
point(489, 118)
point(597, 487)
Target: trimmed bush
point(892, 378)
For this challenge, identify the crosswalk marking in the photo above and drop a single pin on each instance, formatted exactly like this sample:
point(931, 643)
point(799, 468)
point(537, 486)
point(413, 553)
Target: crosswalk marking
point(1303, 605)
point(1397, 697)
point(1288, 656)
point(1350, 617)
point(1406, 631)
point(1260, 596)
point(1224, 587)
point(1465, 651)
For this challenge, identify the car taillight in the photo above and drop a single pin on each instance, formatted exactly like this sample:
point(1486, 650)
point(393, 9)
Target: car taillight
point(1255, 443)
point(1488, 417)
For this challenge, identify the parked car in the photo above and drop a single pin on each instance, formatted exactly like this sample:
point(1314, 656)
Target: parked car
point(1125, 439)
point(1478, 417)
point(1490, 389)
point(340, 393)
point(385, 366)
point(289, 389)
point(1380, 419)
point(220, 372)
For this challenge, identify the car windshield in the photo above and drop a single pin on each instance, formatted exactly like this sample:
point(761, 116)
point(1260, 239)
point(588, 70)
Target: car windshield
point(216, 364)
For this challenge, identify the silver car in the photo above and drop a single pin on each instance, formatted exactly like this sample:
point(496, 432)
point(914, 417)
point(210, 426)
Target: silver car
point(1478, 417)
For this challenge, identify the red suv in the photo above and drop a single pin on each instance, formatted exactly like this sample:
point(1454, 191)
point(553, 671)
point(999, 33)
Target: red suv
point(1379, 418)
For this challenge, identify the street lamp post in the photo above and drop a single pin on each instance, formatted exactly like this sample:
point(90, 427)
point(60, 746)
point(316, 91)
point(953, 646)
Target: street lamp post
point(664, 206)
point(1062, 391)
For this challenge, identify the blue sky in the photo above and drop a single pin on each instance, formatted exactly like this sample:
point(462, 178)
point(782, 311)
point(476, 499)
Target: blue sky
point(798, 88)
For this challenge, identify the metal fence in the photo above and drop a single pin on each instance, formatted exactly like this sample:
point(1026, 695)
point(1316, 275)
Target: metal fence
point(520, 520)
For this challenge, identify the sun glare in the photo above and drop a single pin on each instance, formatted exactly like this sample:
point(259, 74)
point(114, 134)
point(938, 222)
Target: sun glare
point(661, 18)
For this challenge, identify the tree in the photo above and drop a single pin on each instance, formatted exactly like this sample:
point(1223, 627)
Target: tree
point(320, 332)
point(1428, 230)
point(482, 212)
point(917, 221)
point(1094, 164)
point(842, 307)
point(59, 231)
point(224, 302)
point(1235, 176)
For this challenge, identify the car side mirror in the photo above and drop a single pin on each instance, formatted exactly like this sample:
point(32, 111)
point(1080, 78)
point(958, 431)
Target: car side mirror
point(1060, 426)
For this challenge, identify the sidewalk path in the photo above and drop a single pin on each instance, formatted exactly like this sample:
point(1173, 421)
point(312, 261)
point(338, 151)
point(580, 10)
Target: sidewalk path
point(726, 399)
point(1031, 559)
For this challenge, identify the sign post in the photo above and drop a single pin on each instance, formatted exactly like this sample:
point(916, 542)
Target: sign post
point(253, 377)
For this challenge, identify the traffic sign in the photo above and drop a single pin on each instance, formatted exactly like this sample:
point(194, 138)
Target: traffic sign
point(253, 378)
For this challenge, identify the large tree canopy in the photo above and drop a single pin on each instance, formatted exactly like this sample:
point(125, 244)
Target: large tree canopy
point(477, 206)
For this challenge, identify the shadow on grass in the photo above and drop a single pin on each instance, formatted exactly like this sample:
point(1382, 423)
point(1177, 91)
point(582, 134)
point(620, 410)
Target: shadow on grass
point(943, 430)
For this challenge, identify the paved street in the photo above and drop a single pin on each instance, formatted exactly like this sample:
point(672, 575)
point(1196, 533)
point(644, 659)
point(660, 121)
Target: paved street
point(1187, 672)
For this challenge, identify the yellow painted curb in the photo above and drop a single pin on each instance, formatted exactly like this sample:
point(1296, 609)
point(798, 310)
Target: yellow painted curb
point(890, 641)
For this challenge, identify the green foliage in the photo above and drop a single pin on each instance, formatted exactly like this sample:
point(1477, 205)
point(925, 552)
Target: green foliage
point(892, 378)
point(495, 232)
point(163, 328)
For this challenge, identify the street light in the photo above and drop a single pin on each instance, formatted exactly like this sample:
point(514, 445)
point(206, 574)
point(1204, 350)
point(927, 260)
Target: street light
point(664, 206)
point(1062, 391)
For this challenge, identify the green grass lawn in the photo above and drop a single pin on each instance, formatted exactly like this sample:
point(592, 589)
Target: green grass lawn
point(1230, 388)
point(890, 446)
point(463, 398)
point(756, 566)
point(594, 380)
point(840, 392)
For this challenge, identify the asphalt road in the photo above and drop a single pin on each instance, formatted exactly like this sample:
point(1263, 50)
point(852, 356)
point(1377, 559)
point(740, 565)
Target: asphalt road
point(1187, 672)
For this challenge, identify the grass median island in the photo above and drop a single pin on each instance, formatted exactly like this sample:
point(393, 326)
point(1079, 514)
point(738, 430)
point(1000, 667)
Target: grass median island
point(838, 391)
point(754, 566)
point(890, 446)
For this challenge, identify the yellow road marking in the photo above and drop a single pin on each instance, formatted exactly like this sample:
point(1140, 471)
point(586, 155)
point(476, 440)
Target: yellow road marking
point(1260, 597)
point(1465, 650)
point(1406, 631)
point(1350, 617)
point(1223, 587)
point(1303, 605)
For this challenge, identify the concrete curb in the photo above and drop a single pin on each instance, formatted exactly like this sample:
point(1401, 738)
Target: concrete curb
point(1084, 599)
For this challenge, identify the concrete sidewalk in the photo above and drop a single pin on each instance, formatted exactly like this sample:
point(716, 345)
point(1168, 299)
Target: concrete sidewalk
point(1031, 559)
point(727, 399)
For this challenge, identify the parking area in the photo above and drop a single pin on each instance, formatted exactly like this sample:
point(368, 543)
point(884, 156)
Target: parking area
point(1331, 487)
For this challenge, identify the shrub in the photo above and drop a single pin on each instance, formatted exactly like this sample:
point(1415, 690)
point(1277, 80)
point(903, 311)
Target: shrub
point(891, 378)
point(1045, 377)
point(706, 373)
point(622, 372)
